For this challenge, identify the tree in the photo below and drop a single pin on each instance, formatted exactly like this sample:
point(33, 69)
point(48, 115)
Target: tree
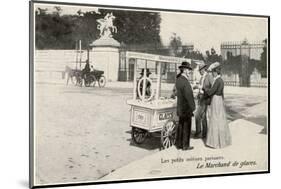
point(85, 28)
point(175, 44)
point(54, 31)
point(181, 50)
point(195, 55)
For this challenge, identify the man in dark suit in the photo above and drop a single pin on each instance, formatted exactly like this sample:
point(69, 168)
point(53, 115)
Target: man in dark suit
point(185, 107)
point(205, 84)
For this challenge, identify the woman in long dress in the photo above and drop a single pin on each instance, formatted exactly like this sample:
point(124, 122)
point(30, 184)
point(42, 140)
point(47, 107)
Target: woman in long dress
point(218, 133)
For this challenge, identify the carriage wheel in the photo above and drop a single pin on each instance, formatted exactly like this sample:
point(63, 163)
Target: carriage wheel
point(102, 81)
point(138, 135)
point(94, 83)
point(94, 80)
point(87, 83)
point(168, 134)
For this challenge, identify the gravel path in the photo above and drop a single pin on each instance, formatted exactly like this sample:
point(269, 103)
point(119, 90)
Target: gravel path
point(83, 133)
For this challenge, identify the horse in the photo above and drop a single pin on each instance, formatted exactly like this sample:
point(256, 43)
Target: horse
point(73, 73)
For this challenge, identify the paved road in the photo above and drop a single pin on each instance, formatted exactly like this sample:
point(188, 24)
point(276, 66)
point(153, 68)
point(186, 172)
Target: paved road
point(83, 134)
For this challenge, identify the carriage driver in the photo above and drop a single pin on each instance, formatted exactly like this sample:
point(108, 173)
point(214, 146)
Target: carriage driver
point(86, 70)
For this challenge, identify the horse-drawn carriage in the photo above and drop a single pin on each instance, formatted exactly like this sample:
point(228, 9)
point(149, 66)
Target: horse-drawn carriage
point(153, 113)
point(94, 77)
point(79, 78)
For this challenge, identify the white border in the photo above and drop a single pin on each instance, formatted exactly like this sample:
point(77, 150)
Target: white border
point(14, 92)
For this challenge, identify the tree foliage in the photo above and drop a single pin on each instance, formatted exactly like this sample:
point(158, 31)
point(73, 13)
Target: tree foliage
point(195, 55)
point(57, 31)
point(176, 44)
point(181, 50)
point(233, 64)
point(53, 31)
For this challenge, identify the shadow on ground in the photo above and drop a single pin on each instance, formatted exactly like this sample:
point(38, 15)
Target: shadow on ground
point(233, 115)
point(152, 142)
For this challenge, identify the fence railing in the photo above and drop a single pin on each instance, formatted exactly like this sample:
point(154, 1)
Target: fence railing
point(259, 84)
point(231, 83)
point(251, 84)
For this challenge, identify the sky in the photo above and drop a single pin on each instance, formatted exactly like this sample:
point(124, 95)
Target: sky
point(203, 30)
point(207, 31)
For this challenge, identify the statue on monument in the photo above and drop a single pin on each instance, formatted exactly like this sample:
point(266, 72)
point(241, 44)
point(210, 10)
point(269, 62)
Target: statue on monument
point(106, 26)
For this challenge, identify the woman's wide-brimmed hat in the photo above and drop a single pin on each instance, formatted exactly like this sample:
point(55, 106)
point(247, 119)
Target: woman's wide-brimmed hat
point(185, 65)
point(202, 66)
point(214, 66)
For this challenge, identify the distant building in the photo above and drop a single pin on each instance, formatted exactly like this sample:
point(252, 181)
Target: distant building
point(189, 47)
point(158, 48)
point(252, 50)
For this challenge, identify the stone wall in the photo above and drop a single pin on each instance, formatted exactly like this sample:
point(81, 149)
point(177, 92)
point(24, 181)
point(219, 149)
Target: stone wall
point(49, 65)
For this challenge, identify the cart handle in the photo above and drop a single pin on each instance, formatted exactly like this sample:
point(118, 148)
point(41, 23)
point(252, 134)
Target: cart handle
point(142, 96)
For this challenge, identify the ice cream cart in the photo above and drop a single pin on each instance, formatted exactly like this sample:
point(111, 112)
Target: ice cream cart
point(152, 113)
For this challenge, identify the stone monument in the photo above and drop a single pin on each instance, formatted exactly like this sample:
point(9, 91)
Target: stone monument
point(105, 50)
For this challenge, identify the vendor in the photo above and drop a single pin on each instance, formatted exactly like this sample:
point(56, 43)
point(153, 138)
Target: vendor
point(148, 83)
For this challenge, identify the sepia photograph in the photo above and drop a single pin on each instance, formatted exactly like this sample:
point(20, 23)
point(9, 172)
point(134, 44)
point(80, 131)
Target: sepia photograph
point(122, 94)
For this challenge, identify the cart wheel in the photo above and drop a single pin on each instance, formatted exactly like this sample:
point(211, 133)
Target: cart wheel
point(168, 134)
point(102, 81)
point(138, 135)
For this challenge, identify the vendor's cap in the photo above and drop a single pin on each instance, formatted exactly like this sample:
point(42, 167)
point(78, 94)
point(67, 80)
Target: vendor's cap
point(147, 71)
point(185, 65)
